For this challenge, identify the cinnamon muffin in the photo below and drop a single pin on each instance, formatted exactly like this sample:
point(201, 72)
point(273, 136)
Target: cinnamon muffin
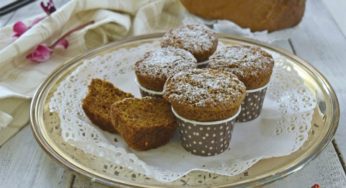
point(97, 103)
point(252, 65)
point(204, 94)
point(156, 66)
point(197, 39)
point(144, 123)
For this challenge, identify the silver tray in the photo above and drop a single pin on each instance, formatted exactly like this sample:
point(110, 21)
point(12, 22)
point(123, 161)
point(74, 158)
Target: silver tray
point(325, 122)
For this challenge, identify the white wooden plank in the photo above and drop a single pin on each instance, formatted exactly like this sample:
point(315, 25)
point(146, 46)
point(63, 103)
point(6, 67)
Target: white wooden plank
point(283, 44)
point(26, 12)
point(319, 41)
point(24, 164)
point(19, 110)
point(325, 170)
point(84, 182)
point(5, 19)
point(337, 9)
point(6, 2)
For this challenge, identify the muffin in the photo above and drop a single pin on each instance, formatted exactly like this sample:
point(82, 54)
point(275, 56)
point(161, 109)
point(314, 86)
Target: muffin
point(144, 123)
point(205, 95)
point(97, 103)
point(156, 66)
point(254, 67)
point(205, 103)
point(197, 39)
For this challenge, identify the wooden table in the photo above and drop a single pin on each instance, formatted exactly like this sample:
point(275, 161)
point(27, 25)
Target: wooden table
point(320, 39)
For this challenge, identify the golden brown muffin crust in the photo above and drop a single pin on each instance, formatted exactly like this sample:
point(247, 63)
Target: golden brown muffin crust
point(258, 15)
point(252, 65)
point(153, 70)
point(204, 94)
point(96, 105)
point(144, 123)
point(197, 39)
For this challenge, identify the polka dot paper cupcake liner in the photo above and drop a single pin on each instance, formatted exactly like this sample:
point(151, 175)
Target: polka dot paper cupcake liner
point(203, 64)
point(205, 138)
point(252, 104)
point(147, 92)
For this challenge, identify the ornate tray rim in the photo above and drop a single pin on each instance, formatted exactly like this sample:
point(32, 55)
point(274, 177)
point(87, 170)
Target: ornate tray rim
point(61, 157)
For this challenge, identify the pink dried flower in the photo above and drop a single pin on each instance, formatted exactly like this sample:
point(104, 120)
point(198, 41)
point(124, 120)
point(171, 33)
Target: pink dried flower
point(19, 28)
point(48, 7)
point(316, 186)
point(43, 52)
point(63, 43)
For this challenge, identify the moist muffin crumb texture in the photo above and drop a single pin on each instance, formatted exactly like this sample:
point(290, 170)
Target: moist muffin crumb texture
point(144, 123)
point(96, 105)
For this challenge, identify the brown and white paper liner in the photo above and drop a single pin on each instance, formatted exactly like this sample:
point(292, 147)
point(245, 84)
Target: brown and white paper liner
point(147, 92)
point(203, 64)
point(252, 105)
point(205, 138)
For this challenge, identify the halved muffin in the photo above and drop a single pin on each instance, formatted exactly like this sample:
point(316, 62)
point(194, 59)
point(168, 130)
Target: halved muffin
point(144, 123)
point(97, 103)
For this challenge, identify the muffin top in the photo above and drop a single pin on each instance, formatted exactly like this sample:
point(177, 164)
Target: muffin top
point(252, 65)
point(205, 94)
point(205, 88)
point(156, 66)
point(197, 39)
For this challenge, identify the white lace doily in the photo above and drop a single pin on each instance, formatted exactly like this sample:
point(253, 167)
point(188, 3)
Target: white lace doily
point(281, 129)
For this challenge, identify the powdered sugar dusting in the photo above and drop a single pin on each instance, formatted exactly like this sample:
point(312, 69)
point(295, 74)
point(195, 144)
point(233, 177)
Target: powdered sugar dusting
point(164, 62)
point(203, 87)
point(194, 38)
point(241, 59)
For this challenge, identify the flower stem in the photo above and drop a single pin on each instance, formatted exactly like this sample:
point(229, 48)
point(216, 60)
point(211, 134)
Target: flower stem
point(70, 32)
